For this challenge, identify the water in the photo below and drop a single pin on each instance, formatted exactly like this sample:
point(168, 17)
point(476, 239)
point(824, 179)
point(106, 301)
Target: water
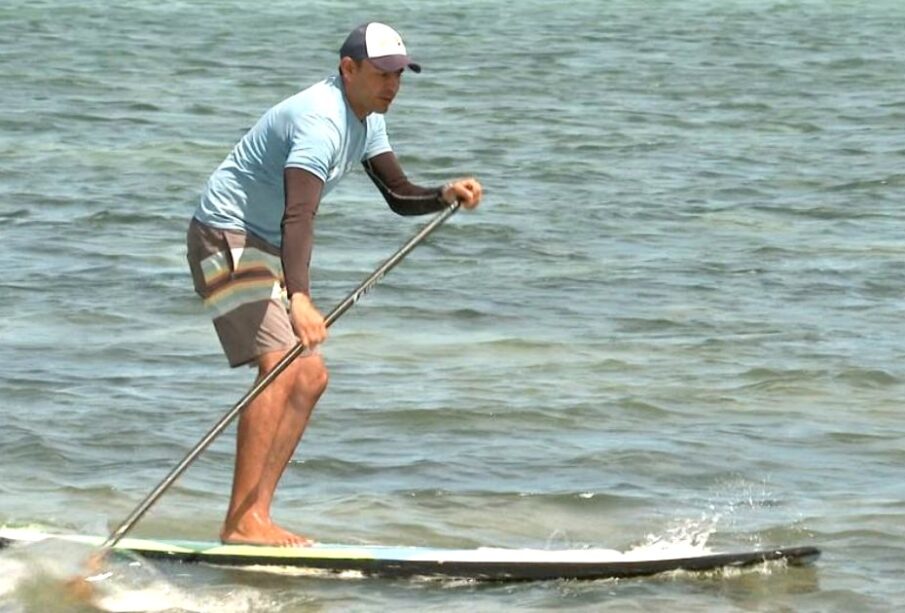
point(677, 318)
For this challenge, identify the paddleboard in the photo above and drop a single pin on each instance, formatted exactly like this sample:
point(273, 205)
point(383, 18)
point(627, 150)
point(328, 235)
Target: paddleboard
point(481, 564)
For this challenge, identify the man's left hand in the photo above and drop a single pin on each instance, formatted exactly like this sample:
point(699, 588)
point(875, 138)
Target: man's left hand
point(467, 191)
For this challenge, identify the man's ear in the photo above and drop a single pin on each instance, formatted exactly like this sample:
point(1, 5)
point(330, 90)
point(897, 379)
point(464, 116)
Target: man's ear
point(347, 66)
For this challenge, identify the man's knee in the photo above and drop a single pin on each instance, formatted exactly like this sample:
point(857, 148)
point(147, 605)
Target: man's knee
point(311, 376)
point(306, 376)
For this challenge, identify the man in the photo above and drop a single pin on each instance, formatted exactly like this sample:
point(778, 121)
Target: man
point(250, 243)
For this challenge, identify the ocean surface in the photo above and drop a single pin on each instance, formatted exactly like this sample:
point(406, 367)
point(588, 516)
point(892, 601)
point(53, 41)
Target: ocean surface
point(677, 320)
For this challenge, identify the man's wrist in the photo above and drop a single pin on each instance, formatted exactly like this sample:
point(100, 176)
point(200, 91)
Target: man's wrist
point(442, 194)
point(300, 298)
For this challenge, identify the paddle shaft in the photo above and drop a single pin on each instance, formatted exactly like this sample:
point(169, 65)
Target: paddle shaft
point(295, 352)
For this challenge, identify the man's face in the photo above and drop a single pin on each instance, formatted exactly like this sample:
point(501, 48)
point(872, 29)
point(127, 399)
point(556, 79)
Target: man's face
point(370, 90)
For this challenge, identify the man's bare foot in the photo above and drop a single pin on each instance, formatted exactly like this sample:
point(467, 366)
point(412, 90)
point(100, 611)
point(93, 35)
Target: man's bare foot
point(275, 537)
point(253, 530)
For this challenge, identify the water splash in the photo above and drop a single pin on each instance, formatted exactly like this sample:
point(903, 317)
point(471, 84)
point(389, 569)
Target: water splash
point(34, 578)
point(161, 595)
point(684, 538)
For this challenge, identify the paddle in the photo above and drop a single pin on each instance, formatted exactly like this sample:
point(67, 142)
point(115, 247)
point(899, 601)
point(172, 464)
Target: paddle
point(96, 558)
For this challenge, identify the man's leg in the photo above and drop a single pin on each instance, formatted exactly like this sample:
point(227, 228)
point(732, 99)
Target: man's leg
point(269, 431)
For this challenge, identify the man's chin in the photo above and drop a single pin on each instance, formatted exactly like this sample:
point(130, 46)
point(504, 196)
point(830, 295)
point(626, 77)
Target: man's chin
point(380, 108)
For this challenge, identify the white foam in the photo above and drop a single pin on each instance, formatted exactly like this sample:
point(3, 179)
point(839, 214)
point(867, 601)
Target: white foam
point(12, 572)
point(686, 539)
point(33, 576)
point(162, 596)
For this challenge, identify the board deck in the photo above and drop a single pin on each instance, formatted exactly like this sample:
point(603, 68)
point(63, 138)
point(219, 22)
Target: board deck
point(482, 564)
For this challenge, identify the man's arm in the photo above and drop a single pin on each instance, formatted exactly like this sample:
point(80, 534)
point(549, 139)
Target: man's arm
point(302, 196)
point(302, 193)
point(404, 197)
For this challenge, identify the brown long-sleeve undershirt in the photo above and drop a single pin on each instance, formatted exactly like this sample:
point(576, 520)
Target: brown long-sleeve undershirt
point(303, 194)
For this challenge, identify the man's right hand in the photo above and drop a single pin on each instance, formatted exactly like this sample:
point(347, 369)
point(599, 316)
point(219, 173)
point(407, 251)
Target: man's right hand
point(307, 321)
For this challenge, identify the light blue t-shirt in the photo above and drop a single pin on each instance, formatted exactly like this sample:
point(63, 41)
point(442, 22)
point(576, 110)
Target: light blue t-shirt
point(315, 130)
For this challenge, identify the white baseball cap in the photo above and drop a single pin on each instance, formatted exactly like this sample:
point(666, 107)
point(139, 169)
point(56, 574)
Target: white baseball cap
point(380, 44)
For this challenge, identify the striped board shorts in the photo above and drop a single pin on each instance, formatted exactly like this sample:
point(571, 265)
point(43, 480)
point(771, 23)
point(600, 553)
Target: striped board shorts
point(240, 280)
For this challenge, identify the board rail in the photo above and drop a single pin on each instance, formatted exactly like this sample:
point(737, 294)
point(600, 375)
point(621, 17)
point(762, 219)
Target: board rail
point(482, 564)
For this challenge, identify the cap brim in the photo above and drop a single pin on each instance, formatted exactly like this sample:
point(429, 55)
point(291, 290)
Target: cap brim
point(392, 63)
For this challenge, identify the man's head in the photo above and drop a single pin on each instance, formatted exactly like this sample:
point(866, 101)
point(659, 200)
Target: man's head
point(380, 44)
point(372, 61)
